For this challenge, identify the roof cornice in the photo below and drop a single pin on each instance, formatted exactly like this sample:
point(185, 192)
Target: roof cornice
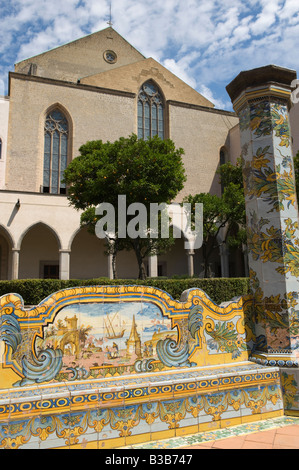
point(77, 86)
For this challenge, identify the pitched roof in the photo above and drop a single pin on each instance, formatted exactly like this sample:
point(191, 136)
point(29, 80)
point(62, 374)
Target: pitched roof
point(85, 60)
point(84, 56)
point(130, 78)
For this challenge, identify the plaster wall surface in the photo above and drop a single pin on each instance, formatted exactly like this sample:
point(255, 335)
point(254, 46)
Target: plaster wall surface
point(234, 144)
point(53, 211)
point(94, 115)
point(91, 116)
point(202, 133)
point(43, 217)
point(4, 111)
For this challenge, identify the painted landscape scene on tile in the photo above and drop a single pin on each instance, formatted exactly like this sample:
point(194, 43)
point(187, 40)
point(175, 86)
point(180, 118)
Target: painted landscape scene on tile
point(106, 336)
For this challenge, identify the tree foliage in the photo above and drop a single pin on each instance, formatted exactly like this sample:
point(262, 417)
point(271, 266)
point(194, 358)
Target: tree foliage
point(146, 172)
point(227, 210)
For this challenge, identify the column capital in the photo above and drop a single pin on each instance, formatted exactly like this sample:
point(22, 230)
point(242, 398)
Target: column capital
point(269, 81)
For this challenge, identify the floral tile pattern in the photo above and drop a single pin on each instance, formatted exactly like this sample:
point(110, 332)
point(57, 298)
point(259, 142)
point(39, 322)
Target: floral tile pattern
point(272, 317)
point(77, 386)
point(185, 441)
point(272, 223)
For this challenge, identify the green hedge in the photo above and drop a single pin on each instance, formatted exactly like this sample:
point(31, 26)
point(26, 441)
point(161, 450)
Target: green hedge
point(33, 291)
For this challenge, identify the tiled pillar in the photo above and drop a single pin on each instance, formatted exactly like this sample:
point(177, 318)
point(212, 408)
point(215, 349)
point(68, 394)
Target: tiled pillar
point(261, 98)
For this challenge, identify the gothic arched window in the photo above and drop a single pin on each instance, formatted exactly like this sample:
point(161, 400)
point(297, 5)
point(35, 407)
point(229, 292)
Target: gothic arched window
point(222, 157)
point(55, 152)
point(150, 111)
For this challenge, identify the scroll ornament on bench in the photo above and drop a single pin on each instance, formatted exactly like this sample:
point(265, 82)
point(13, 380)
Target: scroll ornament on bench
point(65, 337)
point(43, 368)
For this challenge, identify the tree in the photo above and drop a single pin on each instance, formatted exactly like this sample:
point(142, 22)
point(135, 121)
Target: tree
point(231, 180)
point(229, 173)
point(227, 210)
point(147, 172)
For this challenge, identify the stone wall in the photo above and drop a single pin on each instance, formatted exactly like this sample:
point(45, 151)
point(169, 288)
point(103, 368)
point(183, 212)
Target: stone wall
point(92, 115)
point(4, 111)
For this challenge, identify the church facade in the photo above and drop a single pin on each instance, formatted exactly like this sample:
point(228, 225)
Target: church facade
point(97, 88)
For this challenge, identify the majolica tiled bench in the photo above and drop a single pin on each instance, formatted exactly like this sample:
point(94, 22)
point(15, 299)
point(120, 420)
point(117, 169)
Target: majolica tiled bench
point(104, 367)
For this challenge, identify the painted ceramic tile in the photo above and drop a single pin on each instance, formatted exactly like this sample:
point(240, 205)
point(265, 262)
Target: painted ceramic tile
point(112, 338)
point(272, 223)
point(80, 334)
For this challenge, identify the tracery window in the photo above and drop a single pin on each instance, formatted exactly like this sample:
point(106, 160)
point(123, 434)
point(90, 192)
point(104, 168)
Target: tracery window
point(55, 152)
point(150, 111)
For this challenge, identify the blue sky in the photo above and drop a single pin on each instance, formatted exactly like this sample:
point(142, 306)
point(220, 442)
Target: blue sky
point(205, 43)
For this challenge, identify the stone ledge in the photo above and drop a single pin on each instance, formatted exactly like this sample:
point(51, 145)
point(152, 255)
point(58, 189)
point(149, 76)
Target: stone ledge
point(115, 412)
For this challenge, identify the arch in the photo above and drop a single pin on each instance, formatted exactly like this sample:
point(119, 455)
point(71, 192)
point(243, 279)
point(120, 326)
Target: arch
point(73, 236)
point(24, 233)
point(39, 257)
point(7, 235)
point(150, 111)
point(87, 255)
point(63, 109)
point(57, 154)
point(223, 155)
point(6, 246)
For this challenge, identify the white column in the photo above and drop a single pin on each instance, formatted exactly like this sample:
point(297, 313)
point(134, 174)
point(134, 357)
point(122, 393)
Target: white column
point(153, 266)
point(15, 263)
point(110, 266)
point(190, 255)
point(64, 264)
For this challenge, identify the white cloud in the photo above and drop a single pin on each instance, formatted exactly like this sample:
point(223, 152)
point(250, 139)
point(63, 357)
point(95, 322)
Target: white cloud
point(2, 87)
point(181, 68)
point(267, 17)
point(203, 42)
point(289, 10)
point(218, 103)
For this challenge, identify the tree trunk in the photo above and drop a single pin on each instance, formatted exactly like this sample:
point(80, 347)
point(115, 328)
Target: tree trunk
point(113, 251)
point(205, 259)
point(142, 273)
point(114, 264)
